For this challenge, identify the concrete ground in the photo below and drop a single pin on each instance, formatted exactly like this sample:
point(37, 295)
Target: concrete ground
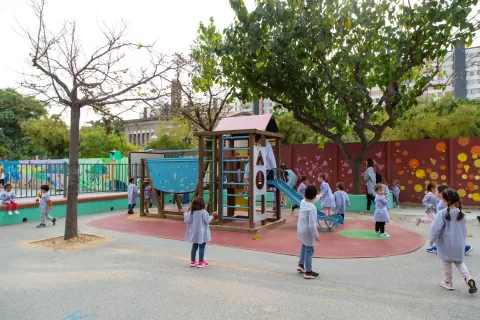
point(138, 277)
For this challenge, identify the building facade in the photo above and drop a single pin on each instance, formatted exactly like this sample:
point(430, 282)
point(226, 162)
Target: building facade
point(460, 73)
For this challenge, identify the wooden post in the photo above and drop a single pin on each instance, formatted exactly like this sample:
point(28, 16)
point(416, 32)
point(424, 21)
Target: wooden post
point(219, 166)
point(278, 213)
point(155, 194)
point(142, 187)
point(201, 170)
point(252, 202)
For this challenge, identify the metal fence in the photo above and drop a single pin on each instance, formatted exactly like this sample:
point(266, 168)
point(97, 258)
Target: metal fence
point(26, 179)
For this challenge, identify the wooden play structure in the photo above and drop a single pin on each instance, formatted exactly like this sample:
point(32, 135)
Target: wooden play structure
point(220, 176)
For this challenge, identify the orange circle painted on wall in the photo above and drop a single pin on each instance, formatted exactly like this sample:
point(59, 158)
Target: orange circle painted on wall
point(428, 170)
point(397, 144)
point(443, 167)
point(413, 163)
point(463, 141)
point(398, 160)
point(475, 150)
point(459, 171)
point(405, 153)
point(410, 181)
point(441, 146)
point(471, 176)
point(400, 172)
point(460, 165)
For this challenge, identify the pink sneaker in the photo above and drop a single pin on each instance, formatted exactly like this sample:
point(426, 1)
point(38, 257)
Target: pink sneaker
point(193, 263)
point(203, 264)
point(446, 285)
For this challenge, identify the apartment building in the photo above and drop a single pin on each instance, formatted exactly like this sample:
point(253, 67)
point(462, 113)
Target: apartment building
point(461, 73)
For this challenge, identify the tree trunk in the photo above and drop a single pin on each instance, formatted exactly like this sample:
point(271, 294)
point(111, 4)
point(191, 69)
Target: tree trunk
point(71, 228)
point(356, 166)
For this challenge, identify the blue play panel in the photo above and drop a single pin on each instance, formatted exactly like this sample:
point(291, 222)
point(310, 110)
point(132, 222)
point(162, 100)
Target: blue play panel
point(174, 175)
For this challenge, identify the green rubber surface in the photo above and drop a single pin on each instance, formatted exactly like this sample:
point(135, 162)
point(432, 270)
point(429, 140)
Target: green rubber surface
point(361, 234)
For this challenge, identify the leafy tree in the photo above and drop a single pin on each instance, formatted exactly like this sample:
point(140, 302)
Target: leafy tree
point(96, 143)
point(206, 95)
point(172, 140)
point(294, 132)
point(110, 123)
point(14, 109)
point(319, 59)
point(438, 120)
point(67, 74)
point(47, 137)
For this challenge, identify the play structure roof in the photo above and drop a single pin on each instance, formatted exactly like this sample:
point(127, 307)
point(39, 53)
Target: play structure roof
point(264, 122)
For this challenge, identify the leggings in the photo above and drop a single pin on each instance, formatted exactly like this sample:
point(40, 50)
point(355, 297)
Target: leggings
point(131, 206)
point(380, 226)
point(11, 204)
point(195, 247)
point(370, 199)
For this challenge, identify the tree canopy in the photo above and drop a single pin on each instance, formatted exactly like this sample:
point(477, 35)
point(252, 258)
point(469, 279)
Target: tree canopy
point(173, 140)
point(96, 143)
point(320, 59)
point(15, 109)
point(46, 137)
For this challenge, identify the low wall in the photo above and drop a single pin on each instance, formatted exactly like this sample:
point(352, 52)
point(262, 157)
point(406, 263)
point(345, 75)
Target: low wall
point(85, 205)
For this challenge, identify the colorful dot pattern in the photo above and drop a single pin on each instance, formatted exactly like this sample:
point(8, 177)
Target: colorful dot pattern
point(415, 164)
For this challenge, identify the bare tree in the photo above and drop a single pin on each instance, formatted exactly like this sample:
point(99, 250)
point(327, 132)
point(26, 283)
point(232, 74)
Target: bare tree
point(67, 75)
point(200, 93)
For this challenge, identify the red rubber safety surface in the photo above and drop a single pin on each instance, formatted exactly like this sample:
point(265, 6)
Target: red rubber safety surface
point(281, 240)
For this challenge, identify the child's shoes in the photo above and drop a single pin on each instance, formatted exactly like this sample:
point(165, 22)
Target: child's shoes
point(10, 213)
point(193, 263)
point(203, 264)
point(16, 212)
point(447, 285)
point(41, 225)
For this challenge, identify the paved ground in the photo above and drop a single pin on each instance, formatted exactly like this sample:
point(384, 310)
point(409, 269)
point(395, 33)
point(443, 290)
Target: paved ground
point(139, 277)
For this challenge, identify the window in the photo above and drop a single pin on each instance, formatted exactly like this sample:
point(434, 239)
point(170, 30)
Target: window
point(472, 73)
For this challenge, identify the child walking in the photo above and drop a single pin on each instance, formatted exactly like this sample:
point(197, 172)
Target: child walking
point(326, 195)
point(396, 192)
point(430, 203)
point(45, 206)
point(307, 232)
point(341, 199)
point(132, 195)
point(301, 191)
point(449, 232)
point(381, 216)
point(198, 230)
point(147, 194)
point(8, 197)
point(440, 206)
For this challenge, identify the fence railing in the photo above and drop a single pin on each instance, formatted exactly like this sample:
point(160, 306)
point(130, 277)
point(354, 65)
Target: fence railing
point(184, 153)
point(26, 179)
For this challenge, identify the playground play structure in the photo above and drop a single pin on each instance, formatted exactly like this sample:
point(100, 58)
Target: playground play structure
point(219, 172)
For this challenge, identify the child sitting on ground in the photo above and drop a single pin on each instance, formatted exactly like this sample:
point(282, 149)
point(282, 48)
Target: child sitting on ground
point(381, 216)
point(45, 207)
point(449, 232)
point(430, 203)
point(341, 199)
point(147, 194)
point(440, 206)
point(7, 197)
point(301, 191)
point(396, 192)
point(132, 195)
point(307, 232)
point(198, 230)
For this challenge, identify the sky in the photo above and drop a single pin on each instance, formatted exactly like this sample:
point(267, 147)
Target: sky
point(171, 23)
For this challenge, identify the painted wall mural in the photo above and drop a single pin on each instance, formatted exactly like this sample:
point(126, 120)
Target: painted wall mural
point(95, 175)
point(455, 162)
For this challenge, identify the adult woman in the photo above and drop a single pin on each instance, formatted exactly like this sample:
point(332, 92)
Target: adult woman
point(2, 176)
point(370, 180)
